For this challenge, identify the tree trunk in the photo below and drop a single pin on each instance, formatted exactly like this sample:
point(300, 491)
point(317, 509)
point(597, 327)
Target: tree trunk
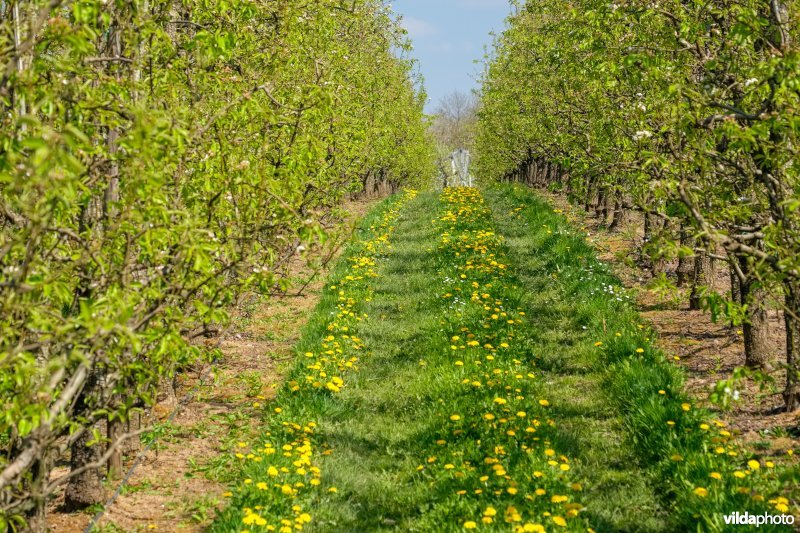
point(791, 395)
point(601, 202)
point(756, 326)
point(134, 423)
point(589, 193)
point(736, 284)
point(703, 278)
point(648, 253)
point(115, 429)
point(86, 488)
point(37, 517)
point(685, 263)
point(619, 215)
point(754, 297)
point(20, 66)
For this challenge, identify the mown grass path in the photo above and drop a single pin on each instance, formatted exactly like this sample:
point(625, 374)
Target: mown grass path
point(457, 376)
point(395, 417)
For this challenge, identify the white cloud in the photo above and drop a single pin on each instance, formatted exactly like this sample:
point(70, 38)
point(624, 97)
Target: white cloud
point(445, 46)
point(417, 28)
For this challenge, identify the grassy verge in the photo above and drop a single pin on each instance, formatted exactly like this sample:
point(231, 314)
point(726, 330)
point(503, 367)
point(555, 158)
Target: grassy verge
point(692, 460)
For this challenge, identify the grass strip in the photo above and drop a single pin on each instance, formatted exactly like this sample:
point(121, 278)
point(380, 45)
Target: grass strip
point(699, 470)
point(277, 478)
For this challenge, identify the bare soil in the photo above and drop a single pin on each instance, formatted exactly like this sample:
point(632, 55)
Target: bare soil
point(169, 490)
point(708, 352)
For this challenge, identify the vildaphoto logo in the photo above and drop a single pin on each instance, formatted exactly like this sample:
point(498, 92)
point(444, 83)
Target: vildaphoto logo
point(747, 519)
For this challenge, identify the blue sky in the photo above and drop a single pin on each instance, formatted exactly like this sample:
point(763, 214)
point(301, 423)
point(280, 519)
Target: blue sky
point(448, 35)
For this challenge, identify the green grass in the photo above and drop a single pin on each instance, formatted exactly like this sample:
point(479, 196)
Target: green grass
point(387, 442)
point(675, 443)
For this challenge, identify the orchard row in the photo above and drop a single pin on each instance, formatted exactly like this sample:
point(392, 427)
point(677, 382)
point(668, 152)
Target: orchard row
point(686, 112)
point(159, 158)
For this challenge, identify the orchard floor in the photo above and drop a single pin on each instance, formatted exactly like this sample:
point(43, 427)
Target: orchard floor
point(506, 382)
point(708, 351)
point(468, 364)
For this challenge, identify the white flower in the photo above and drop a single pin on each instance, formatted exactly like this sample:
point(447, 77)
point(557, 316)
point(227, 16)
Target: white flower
point(642, 134)
point(751, 81)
